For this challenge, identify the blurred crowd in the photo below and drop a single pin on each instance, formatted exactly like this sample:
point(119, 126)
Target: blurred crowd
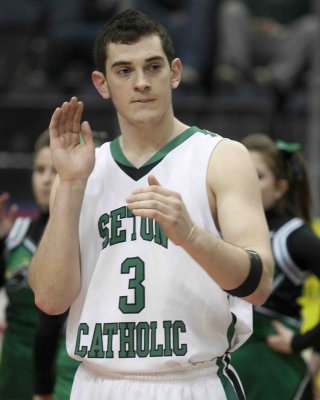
point(222, 43)
point(47, 47)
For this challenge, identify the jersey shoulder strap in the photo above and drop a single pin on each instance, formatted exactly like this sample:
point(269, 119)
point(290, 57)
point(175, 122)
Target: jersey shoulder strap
point(17, 233)
point(282, 255)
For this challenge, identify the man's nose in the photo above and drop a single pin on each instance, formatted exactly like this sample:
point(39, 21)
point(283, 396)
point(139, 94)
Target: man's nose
point(141, 82)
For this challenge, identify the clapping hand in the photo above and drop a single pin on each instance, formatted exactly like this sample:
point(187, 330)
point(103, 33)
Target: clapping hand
point(73, 160)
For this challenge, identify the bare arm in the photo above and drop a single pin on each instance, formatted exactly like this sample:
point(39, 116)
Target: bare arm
point(54, 273)
point(233, 186)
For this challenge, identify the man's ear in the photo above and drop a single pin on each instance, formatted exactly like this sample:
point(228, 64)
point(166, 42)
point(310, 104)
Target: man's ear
point(176, 72)
point(100, 84)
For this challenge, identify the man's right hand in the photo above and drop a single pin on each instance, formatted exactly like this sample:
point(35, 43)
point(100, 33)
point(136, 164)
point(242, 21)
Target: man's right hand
point(73, 160)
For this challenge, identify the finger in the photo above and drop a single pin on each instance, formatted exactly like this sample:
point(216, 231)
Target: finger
point(63, 118)
point(86, 133)
point(54, 124)
point(13, 212)
point(277, 343)
point(148, 205)
point(151, 213)
point(150, 196)
point(278, 326)
point(152, 180)
point(76, 122)
point(73, 104)
point(4, 197)
point(272, 341)
point(155, 189)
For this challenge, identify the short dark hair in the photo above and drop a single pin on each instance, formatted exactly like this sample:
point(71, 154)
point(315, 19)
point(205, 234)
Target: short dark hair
point(127, 28)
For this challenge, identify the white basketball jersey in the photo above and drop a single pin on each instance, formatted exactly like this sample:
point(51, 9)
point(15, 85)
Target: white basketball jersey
point(145, 305)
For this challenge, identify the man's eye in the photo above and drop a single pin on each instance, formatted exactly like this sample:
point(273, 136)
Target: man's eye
point(153, 67)
point(123, 71)
point(39, 170)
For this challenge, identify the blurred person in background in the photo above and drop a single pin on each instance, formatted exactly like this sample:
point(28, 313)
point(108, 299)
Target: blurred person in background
point(19, 239)
point(286, 341)
point(286, 196)
point(268, 42)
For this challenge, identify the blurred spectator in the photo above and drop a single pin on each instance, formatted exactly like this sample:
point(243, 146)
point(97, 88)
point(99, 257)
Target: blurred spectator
point(270, 42)
point(72, 26)
point(18, 21)
point(286, 197)
point(57, 52)
point(190, 25)
point(18, 242)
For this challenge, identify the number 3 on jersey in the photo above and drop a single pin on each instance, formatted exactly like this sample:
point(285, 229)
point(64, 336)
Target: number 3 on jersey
point(134, 284)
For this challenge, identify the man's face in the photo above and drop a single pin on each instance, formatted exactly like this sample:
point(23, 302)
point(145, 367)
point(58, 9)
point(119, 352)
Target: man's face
point(139, 80)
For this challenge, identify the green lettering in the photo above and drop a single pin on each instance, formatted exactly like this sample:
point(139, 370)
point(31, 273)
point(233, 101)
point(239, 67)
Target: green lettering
point(134, 224)
point(178, 326)
point(96, 349)
point(82, 330)
point(110, 330)
point(142, 337)
point(167, 325)
point(103, 230)
point(160, 237)
point(126, 330)
point(155, 351)
point(146, 229)
point(117, 235)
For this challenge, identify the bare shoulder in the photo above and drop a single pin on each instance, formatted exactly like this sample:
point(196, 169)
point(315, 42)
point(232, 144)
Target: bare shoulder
point(231, 163)
point(230, 148)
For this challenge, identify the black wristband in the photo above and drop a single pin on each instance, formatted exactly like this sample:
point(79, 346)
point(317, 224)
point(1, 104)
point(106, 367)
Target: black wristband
point(253, 279)
point(311, 338)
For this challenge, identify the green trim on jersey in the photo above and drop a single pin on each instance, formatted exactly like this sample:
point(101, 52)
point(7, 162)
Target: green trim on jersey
point(226, 382)
point(231, 330)
point(119, 157)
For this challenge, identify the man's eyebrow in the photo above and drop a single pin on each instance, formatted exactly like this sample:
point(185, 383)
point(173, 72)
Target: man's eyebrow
point(124, 62)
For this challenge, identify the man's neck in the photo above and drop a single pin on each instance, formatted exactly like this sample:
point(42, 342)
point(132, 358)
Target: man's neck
point(141, 143)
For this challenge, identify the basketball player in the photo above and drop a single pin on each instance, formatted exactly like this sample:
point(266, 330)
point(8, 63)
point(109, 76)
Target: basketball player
point(157, 240)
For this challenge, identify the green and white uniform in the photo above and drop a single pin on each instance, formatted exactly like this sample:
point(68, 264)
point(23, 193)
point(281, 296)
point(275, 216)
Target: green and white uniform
point(16, 372)
point(147, 312)
point(267, 374)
